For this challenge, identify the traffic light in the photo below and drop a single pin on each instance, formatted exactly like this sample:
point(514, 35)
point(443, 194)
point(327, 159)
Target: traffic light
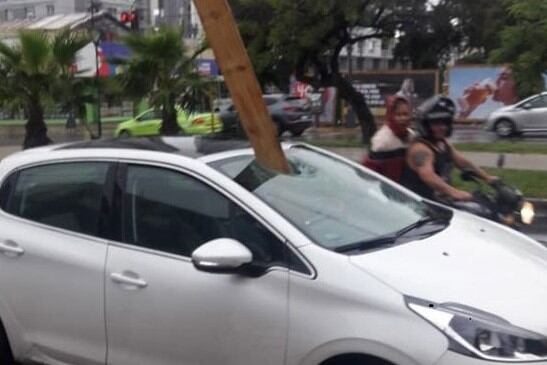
point(131, 17)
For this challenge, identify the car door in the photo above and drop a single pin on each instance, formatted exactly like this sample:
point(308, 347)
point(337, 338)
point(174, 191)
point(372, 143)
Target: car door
point(537, 113)
point(52, 260)
point(160, 309)
point(148, 124)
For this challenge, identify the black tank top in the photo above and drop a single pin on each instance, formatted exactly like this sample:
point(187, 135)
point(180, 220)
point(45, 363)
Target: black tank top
point(443, 164)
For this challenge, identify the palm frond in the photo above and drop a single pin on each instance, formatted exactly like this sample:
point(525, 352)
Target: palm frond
point(65, 46)
point(35, 50)
point(9, 54)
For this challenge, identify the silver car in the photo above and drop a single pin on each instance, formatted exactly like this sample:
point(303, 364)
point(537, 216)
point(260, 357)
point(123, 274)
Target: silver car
point(186, 251)
point(529, 115)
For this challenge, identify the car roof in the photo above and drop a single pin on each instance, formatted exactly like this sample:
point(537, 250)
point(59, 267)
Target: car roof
point(194, 146)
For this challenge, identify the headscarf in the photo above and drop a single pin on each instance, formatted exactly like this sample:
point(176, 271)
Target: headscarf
point(400, 131)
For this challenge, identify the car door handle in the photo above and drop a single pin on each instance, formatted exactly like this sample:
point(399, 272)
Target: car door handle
point(128, 278)
point(11, 248)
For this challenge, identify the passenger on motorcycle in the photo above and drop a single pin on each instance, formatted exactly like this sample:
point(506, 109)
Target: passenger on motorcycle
point(431, 158)
point(389, 145)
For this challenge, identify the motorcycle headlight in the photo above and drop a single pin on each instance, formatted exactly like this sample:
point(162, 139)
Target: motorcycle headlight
point(475, 333)
point(527, 213)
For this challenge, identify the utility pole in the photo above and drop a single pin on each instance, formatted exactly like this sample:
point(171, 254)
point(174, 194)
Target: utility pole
point(225, 40)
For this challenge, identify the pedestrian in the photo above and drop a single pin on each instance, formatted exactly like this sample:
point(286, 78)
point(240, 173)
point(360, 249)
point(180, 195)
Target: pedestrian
point(389, 144)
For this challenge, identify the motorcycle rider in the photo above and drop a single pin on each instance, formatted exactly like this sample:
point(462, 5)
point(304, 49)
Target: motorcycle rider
point(431, 158)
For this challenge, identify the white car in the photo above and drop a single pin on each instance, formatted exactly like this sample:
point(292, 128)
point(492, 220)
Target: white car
point(129, 252)
point(528, 115)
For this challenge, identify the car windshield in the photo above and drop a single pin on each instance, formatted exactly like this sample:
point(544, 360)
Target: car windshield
point(334, 203)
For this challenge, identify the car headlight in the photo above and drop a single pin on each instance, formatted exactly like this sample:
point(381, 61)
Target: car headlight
point(475, 333)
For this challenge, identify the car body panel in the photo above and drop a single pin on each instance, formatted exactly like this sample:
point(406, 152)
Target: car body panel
point(64, 316)
point(473, 262)
point(197, 317)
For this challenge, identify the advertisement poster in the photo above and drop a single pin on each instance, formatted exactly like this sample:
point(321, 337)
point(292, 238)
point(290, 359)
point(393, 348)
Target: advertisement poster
point(323, 101)
point(376, 87)
point(479, 90)
point(108, 53)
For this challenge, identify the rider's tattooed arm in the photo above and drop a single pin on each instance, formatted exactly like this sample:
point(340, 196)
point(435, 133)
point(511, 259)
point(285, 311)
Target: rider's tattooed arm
point(421, 159)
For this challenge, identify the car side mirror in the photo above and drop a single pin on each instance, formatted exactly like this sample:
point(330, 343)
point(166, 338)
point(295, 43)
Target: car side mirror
point(222, 255)
point(527, 106)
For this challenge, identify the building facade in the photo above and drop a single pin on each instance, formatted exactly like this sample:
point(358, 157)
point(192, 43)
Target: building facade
point(11, 10)
point(369, 54)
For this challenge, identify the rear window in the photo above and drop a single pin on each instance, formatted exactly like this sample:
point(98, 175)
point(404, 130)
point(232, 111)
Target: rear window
point(66, 195)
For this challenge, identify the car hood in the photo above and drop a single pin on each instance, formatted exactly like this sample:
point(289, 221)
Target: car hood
point(473, 262)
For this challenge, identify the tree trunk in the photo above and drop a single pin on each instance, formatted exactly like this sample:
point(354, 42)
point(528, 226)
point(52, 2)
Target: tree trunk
point(360, 107)
point(36, 130)
point(169, 117)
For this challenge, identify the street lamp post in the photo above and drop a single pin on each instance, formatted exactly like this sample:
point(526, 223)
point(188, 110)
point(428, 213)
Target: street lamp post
point(95, 6)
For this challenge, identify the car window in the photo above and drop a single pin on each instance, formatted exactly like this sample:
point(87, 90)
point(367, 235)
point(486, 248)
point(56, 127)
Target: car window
point(329, 200)
point(538, 102)
point(168, 211)
point(65, 195)
point(270, 100)
point(150, 115)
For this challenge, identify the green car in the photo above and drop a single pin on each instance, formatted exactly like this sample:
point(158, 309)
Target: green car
point(148, 124)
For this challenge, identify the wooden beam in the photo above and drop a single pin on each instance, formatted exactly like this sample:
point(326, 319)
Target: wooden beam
point(231, 55)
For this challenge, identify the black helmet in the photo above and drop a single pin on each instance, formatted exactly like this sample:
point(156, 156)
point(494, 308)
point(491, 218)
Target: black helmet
point(437, 108)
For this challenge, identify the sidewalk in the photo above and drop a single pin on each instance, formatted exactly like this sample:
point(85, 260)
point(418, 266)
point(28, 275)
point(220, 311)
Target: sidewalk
point(483, 159)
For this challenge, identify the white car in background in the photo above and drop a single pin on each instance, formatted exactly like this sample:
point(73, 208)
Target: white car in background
point(528, 115)
point(186, 251)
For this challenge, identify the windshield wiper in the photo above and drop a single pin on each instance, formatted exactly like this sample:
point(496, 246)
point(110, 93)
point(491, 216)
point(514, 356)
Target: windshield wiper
point(394, 238)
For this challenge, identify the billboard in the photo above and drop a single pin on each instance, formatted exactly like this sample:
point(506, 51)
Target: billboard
point(108, 53)
point(479, 90)
point(377, 86)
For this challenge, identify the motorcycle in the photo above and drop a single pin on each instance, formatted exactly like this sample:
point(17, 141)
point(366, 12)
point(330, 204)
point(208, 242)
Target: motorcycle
point(500, 202)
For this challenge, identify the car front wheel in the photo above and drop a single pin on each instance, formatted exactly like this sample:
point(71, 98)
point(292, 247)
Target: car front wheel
point(505, 128)
point(124, 134)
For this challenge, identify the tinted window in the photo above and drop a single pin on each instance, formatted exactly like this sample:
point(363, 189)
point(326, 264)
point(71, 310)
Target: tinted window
point(65, 195)
point(171, 212)
point(538, 102)
point(5, 191)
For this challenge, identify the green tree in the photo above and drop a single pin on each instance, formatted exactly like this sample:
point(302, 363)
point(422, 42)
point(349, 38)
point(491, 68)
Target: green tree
point(161, 69)
point(434, 33)
point(524, 44)
point(307, 36)
point(32, 71)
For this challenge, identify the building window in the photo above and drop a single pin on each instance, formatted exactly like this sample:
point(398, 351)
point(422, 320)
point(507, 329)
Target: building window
point(4, 15)
point(30, 13)
point(50, 9)
point(375, 64)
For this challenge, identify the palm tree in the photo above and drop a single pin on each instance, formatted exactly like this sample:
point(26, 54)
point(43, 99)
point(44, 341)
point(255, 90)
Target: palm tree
point(161, 69)
point(31, 73)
